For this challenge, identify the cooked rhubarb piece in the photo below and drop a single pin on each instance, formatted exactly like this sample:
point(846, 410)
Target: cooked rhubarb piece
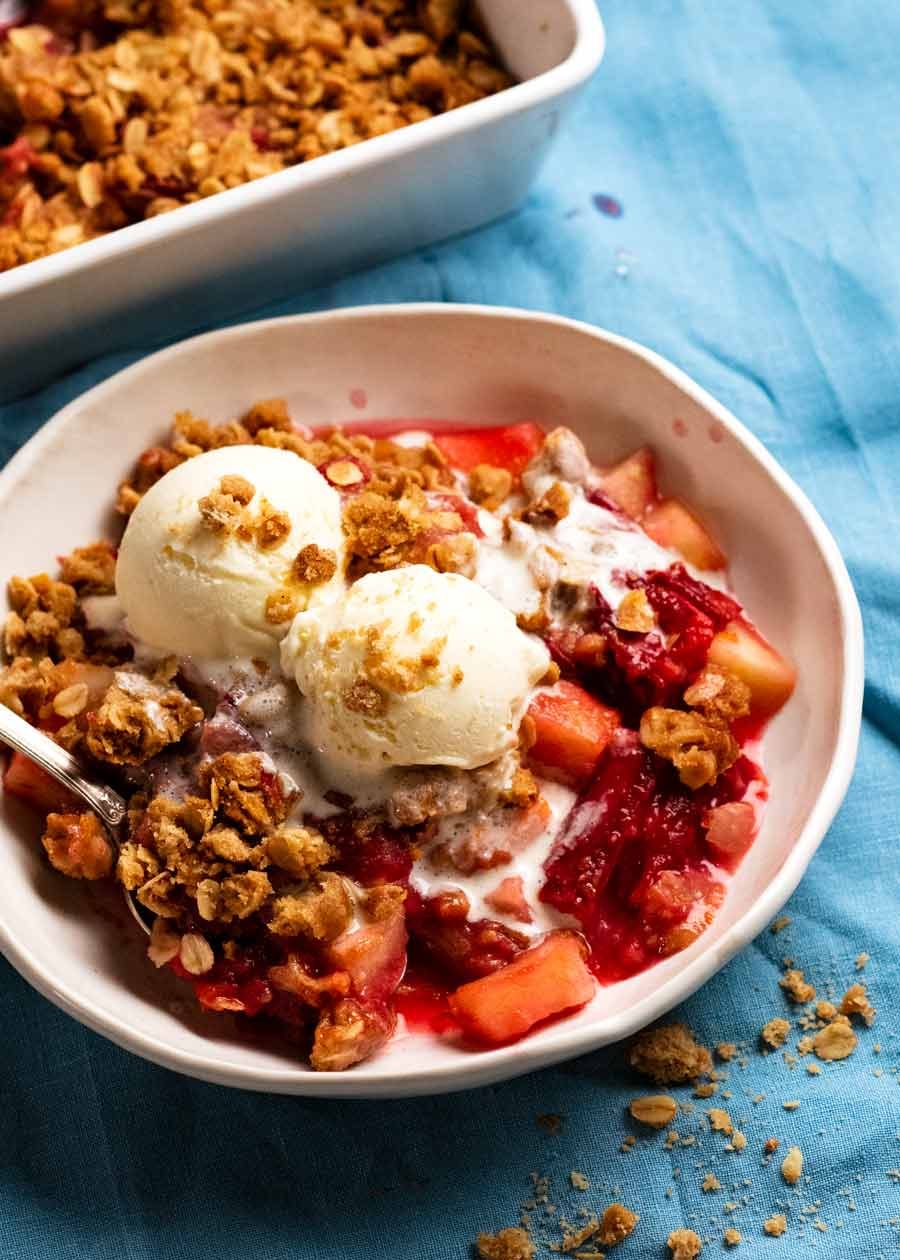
point(572, 730)
point(34, 786)
point(730, 829)
point(511, 446)
point(672, 524)
point(631, 484)
point(457, 947)
point(374, 956)
point(739, 649)
point(546, 980)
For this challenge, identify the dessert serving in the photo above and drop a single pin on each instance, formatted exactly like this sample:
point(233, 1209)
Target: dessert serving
point(116, 111)
point(421, 727)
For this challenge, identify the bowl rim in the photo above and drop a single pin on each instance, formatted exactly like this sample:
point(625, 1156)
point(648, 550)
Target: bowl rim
point(576, 68)
point(560, 1042)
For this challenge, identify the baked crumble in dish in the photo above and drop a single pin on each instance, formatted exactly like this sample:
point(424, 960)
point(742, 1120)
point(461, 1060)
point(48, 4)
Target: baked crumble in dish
point(423, 729)
point(115, 111)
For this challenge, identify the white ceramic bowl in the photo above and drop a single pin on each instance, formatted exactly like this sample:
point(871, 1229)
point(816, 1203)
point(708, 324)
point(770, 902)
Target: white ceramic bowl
point(302, 226)
point(478, 365)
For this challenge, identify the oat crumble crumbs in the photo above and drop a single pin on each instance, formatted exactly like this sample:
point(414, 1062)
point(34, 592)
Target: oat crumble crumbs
point(797, 987)
point(726, 1050)
point(792, 1165)
point(732, 1237)
point(616, 1224)
point(656, 1110)
point(669, 1053)
point(779, 924)
point(508, 1244)
point(775, 1032)
point(684, 1244)
point(836, 1040)
point(710, 1183)
point(776, 1225)
point(579, 1181)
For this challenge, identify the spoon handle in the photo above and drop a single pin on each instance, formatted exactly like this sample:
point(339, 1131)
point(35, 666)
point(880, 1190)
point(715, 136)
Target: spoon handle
point(37, 746)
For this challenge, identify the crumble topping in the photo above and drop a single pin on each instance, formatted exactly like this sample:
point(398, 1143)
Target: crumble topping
point(775, 1032)
point(507, 1244)
point(90, 570)
point(700, 750)
point(684, 1244)
point(125, 112)
point(792, 1166)
point(732, 1237)
point(490, 486)
point(635, 613)
point(246, 790)
point(300, 851)
point(40, 620)
point(796, 986)
point(616, 1224)
point(137, 719)
point(314, 565)
point(346, 1034)
point(669, 1053)
point(776, 1225)
point(321, 911)
point(550, 507)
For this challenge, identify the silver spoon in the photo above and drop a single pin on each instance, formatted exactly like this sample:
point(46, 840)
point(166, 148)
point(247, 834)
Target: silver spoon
point(107, 804)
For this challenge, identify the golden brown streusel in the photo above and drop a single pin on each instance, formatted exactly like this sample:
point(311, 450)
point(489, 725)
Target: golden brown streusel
point(123, 112)
point(243, 788)
point(776, 1225)
point(719, 695)
point(775, 1032)
point(684, 1244)
point(364, 697)
point(490, 486)
point(137, 719)
point(321, 910)
point(732, 1237)
point(856, 1002)
point(792, 1165)
point(797, 987)
point(616, 1224)
point(635, 613)
point(552, 506)
point(507, 1244)
point(314, 565)
point(669, 1053)
point(91, 570)
point(40, 619)
point(300, 851)
point(836, 1040)
point(699, 749)
point(720, 1121)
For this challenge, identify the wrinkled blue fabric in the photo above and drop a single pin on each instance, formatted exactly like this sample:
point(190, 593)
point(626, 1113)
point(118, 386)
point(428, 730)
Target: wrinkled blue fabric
point(750, 148)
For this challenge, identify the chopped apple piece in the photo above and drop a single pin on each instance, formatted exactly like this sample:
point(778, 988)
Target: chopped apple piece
point(743, 652)
point(672, 524)
point(572, 731)
point(632, 483)
point(730, 829)
point(34, 786)
point(545, 980)
point(509, 898)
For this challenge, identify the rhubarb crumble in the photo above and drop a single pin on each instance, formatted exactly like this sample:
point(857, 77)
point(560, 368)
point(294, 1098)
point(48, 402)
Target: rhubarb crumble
point(114, 111)
point(421, 730)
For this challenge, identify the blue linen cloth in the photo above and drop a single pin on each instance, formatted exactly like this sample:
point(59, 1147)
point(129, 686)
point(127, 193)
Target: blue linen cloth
point(726, 193)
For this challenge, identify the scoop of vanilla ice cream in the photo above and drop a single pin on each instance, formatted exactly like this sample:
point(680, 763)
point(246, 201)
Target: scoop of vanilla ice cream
point(412, 667)
point(190, 587)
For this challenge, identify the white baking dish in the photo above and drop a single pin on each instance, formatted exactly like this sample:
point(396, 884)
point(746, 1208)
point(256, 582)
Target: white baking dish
point(302, 226)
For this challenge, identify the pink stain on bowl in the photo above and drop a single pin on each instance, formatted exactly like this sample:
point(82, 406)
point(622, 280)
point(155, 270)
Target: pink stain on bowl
point(359, 399)
point(716, 432)
point(679, 428)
